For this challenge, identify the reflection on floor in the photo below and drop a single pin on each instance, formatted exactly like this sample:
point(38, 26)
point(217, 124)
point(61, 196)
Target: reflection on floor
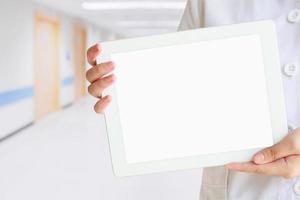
point(65, 157)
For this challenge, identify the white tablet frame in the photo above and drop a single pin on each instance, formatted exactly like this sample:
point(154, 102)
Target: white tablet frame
point(266, 30)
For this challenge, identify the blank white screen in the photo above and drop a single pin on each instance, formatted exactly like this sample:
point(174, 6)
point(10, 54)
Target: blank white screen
point(193, 99)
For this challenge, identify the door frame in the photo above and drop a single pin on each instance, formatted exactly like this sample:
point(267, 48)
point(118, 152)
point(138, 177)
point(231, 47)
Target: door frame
point(40, 16)
point(80, 68)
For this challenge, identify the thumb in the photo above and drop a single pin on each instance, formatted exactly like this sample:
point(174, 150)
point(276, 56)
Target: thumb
point(278, 150)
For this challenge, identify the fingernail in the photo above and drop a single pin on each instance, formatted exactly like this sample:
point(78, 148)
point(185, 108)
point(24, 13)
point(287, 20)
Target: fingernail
point(259, 158)
point(232, 166)
point(228, 166)
point(113, 77)
point(109, 98)
point(112, 64)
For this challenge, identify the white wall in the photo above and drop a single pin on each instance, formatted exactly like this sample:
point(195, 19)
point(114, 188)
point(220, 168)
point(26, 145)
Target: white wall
point(16, 61)
point(66, 60)
point(93, 35)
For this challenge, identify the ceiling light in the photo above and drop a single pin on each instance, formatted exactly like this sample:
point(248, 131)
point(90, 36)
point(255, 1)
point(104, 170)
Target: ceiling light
point(147, 23)
point(120, 5)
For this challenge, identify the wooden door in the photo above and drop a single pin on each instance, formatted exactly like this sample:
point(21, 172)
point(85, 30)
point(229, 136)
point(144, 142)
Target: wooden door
point(80, 61)
point(46, 65)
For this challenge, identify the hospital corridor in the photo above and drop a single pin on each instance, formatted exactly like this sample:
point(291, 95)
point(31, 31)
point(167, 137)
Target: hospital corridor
point(53, 146)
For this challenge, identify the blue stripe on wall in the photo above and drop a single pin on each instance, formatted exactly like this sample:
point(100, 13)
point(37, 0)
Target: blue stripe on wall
point(68, 81)
point(11, 96)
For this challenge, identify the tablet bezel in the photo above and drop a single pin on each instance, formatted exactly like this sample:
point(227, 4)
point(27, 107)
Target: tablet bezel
point(267, 32)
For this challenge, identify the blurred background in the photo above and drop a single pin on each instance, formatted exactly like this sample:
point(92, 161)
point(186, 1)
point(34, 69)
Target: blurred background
point(52, 144)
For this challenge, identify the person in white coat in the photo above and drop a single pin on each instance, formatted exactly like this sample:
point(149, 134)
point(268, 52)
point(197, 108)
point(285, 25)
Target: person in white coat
point(273, 172)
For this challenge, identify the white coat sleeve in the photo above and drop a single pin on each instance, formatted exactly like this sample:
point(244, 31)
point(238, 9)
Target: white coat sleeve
point(193, 16)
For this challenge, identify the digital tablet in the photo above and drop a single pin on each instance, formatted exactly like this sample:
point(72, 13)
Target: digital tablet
point(195, 98)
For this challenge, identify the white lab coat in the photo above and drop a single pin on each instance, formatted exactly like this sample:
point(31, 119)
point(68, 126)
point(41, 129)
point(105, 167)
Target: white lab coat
point(219, 183)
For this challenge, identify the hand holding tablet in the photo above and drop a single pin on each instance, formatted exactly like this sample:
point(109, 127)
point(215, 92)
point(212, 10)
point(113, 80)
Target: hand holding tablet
point(194, 99)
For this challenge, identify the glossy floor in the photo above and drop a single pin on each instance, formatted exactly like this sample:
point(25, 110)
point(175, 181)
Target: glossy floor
point(66, 156)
